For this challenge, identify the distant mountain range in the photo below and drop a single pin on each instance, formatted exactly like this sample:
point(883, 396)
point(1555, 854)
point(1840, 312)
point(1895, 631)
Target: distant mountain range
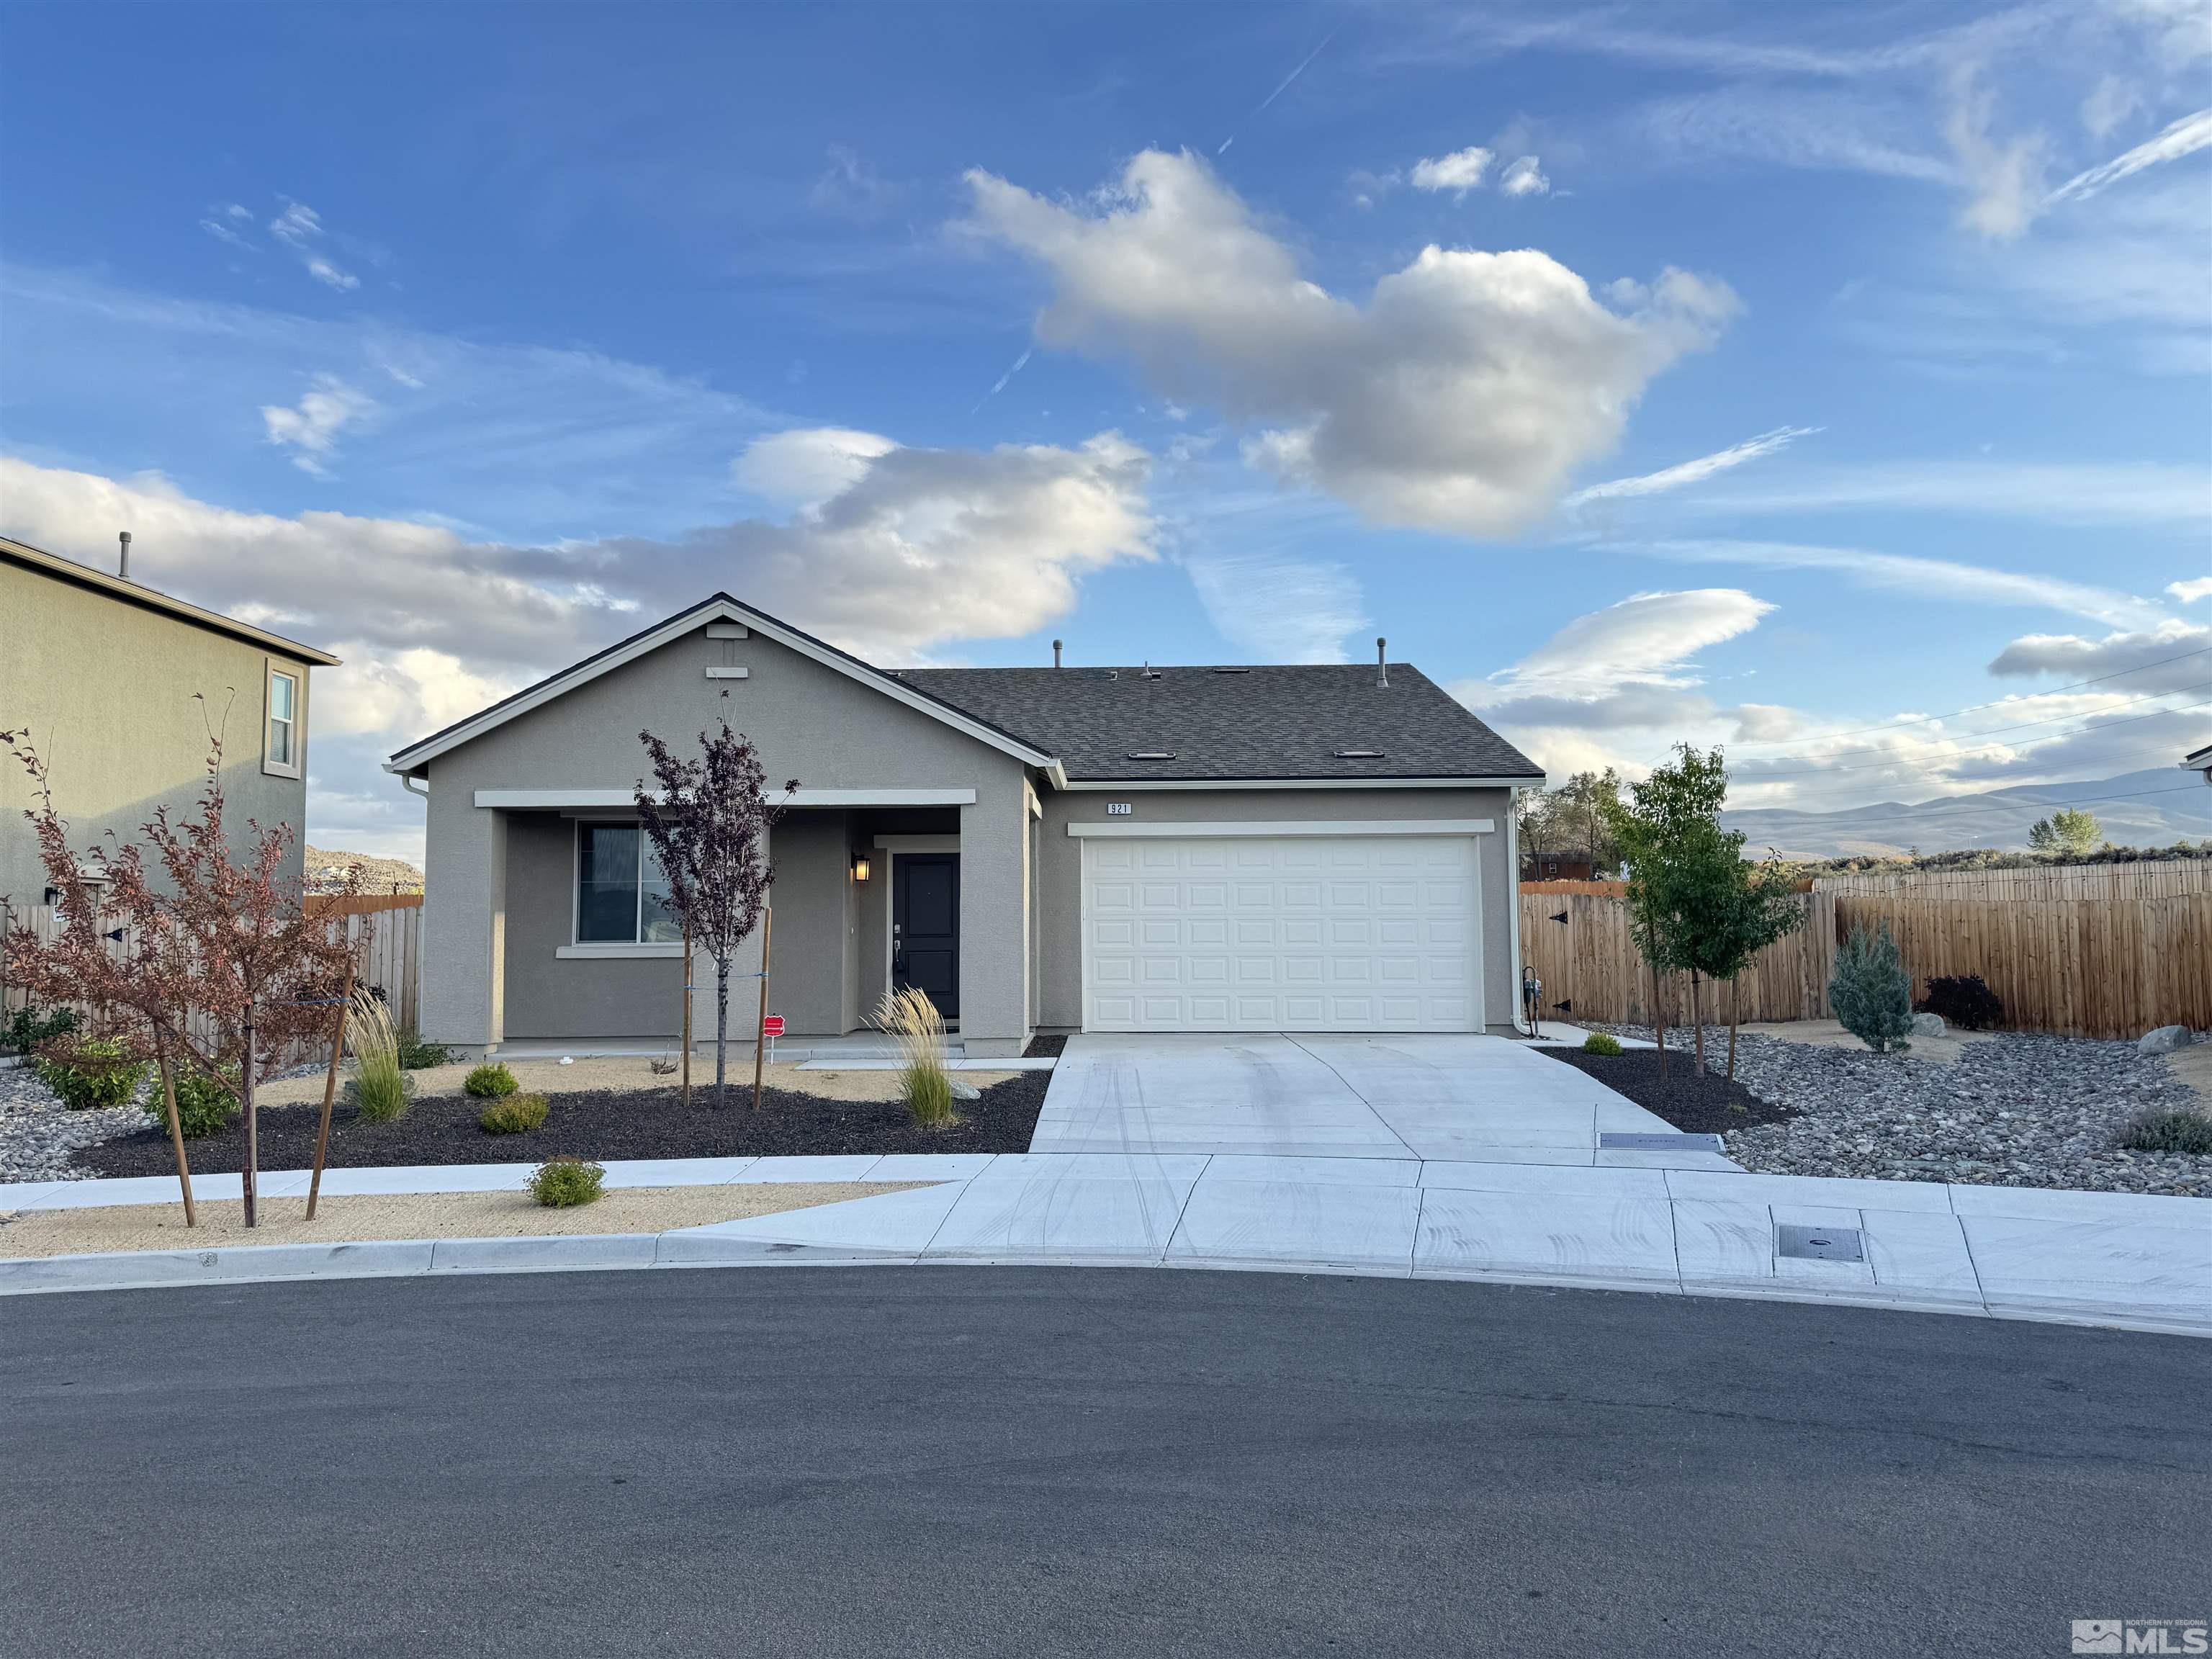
point(2156, 809)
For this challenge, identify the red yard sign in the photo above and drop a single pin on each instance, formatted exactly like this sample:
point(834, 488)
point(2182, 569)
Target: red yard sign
point(772, 1026)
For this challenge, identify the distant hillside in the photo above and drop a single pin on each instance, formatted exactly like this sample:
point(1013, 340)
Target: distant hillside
point(327, 872)
point(1998, 818)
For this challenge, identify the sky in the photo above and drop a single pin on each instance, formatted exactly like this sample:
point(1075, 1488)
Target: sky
point(1832, 383)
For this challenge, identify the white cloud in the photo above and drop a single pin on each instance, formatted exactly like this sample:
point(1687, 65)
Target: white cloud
point(1696, 471)
point(312, 427)
point(1458, 398)
point(1279, 610)
point(300, 228)
point(1931, 579)
point(2003, 178)
point(2111, 101)
point(849, 185)
point(222, 232)
point(2195, 588)
point(2183, 138)
point(1524, 177)
point(2075, 493)
point(1459, 171)
point(801, 468)
point(2172, 657)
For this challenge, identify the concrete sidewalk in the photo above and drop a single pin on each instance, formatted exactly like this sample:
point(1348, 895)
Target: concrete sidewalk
point(2092, 1258)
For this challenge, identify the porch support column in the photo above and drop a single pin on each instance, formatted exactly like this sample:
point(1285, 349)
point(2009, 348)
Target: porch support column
point(464, 923)
point(994, 917)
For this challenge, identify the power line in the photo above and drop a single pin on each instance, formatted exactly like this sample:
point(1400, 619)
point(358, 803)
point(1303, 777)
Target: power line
point(1922, 720)
point(1902, 760)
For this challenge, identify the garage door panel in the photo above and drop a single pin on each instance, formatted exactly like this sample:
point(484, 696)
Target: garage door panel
point(1313, 934)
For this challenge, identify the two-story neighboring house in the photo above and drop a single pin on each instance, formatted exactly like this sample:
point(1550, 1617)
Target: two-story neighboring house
point(103, 671)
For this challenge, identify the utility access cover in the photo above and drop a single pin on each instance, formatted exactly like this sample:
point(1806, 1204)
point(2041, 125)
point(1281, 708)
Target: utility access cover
point(1611, 1140)
point(1820, 1243)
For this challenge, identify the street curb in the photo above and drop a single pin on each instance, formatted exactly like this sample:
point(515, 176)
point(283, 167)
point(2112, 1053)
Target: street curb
point(684, 1250)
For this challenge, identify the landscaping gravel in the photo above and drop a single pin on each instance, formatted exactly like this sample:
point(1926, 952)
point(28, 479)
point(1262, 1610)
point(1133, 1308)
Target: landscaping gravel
point(598, 1124)
point(40, 1138)
point(2023, 1111)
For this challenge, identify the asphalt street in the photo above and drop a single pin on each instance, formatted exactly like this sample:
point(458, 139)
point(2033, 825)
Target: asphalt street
point(1030, 1461)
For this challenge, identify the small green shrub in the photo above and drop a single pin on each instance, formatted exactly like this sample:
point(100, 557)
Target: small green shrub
point(205, 1104)
point(2174, 1130)
point(514, 1115)
point(1872, 994)
point(562, 1183)
point(89, 1072)
point(30, 1026)
point(417, 1056)
point(1965, 1002)
point(491, 1082)
point(1601, 1042)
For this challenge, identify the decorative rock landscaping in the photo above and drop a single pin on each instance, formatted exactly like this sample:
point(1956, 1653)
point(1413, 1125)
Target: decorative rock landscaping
point(39, 1137)
point(2019, 1110)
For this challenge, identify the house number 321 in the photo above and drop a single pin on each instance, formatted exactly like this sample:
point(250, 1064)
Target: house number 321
point(1117, 809)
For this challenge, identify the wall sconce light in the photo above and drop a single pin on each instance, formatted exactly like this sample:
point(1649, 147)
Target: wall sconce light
point(861, 869)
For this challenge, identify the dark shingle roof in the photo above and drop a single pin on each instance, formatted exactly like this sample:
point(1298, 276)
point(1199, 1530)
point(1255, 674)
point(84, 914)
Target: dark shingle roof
point(1259, 722)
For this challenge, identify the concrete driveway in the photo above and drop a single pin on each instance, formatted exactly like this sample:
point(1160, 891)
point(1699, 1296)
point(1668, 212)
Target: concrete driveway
point(1482, 1099)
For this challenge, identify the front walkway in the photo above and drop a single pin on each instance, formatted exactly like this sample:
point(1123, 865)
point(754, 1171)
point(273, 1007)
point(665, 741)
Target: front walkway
point(1464, 1098)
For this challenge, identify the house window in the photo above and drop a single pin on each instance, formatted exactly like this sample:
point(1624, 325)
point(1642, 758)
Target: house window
point(621, 895)
point(280, 741)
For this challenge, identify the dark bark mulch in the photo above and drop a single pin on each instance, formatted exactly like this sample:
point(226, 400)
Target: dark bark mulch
point(1045, 1047)
point(600, 1124)
point(1706, 1106)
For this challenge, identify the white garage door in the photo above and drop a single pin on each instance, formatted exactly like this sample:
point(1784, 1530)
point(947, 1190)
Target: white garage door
point(1303, 933)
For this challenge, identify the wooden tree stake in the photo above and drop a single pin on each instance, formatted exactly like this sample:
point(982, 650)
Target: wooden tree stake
point(760, 1032)
point(176, 1132)
point(687, 1014)
point(246, 1178)
point(330, 1090)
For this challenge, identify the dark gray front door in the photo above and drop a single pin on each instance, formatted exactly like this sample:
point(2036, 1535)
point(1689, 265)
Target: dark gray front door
point(925, 926)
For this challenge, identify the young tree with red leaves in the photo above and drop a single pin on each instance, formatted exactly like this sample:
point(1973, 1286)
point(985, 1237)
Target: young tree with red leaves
point(708, 821)
point(219, 956)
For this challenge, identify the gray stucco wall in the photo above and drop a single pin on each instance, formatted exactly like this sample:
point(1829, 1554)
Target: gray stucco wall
point(106, 688)
point(811, 722)
point(1060, 874)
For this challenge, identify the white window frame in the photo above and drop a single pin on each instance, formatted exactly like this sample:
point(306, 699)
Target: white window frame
point(634, 947)
point(297, 766)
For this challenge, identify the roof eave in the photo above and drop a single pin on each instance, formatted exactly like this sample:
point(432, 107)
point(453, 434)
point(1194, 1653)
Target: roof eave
point(131, 593)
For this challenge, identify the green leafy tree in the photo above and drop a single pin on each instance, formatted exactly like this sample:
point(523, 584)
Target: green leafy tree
point(2068, 830)
point(1572, 819)
point(1695, 905)
point(1871, 992)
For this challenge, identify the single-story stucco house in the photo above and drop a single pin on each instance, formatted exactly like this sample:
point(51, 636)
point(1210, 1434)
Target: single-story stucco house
point(1302, 848)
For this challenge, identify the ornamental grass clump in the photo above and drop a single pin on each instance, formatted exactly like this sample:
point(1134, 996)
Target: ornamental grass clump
point(2173, 1130)
point(562, 1183)
point(515, 1114)
point(91, 1072)
point(379, 1088)
point(1601, 1042)
point(491, 1082)
point(912, 1021)
point(1872, 994)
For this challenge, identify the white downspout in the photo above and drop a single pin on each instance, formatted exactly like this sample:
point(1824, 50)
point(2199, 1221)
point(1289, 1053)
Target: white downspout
point(1513, 897)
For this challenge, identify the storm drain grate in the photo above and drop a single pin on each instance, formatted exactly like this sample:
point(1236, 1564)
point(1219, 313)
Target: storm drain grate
point(1820, 1243)
point(1611, 1140)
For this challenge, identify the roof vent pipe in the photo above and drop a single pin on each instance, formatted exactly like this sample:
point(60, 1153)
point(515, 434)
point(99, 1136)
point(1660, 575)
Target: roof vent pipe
point(1056, 653)
point(1381, 661)
point(123, 561)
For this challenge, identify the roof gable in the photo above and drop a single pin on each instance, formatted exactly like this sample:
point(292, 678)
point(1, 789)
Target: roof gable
point(126, 592)
point(719, 607)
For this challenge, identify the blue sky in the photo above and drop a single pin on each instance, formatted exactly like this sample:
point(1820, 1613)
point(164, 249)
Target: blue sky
point(1787, 377)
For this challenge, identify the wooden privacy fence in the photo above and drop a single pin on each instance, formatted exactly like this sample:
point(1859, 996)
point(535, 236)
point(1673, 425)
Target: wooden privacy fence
point(386, 928)
point(1589, 960)
point(2143, 878)
point(2080, 967)
point(2099, 966)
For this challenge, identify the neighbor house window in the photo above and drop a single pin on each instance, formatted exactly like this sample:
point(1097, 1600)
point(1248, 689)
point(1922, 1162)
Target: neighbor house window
point(621, 895)
point(280, 747)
